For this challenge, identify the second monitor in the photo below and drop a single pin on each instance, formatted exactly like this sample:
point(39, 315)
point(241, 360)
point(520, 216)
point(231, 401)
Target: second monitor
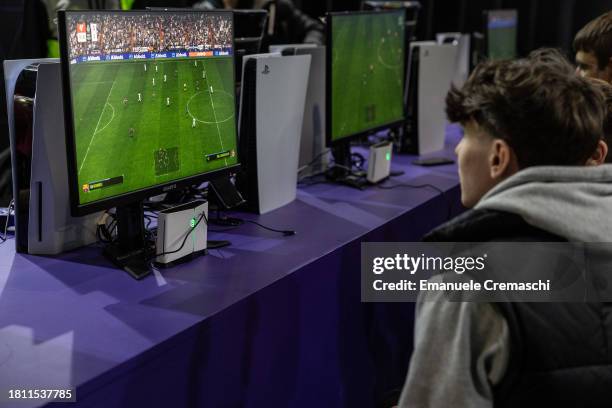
point(501, 34)
point(365, 73)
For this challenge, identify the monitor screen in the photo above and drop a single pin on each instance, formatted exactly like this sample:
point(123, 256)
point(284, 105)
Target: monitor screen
point(151, 99)
point(366, 60)
point(501, 34)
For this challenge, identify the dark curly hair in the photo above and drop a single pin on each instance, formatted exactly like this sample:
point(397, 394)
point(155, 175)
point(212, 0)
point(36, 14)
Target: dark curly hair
point(547, 116)
point(596, 37)
point(554, 57)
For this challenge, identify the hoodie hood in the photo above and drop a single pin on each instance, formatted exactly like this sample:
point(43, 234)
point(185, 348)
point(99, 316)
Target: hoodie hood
point(571, 202)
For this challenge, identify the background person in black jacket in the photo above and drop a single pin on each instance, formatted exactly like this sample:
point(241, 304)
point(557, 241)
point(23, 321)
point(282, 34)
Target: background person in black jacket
point(286, 23)
point(529, 171)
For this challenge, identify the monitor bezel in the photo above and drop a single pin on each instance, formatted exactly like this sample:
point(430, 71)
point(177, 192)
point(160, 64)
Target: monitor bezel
point(330, 142)
point(76, 208)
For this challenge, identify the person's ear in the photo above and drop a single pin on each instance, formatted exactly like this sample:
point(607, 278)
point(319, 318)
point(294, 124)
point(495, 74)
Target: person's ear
point(600, 154)
point(502, 161)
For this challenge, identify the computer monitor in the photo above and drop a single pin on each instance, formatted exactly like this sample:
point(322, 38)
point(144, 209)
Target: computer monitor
point(501, 34)
point(365, 76)
point(149, 107)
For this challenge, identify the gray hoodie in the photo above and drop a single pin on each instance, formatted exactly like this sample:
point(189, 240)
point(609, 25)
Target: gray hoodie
point(462, 349)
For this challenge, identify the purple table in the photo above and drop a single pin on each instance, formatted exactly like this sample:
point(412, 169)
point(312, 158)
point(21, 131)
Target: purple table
point(268, 322)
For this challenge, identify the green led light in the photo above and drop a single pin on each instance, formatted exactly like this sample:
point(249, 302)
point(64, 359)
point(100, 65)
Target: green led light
point(192, 223)
point(388, 156)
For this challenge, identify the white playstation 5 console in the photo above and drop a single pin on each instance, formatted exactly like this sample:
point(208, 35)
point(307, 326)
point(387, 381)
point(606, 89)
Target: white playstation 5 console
point(182, 231)
point(431, 71)
point(463, 44)
point(312, 143)
point(43, 224)
point(270, 125)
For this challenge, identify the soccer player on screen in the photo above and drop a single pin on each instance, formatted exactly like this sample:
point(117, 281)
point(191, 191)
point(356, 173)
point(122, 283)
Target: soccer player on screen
point(131, 132)
point(139, 97)
point(153, 81)
point(165, 79)
point(193, 123)
point(125, 101)
point(145, 67)
point(167, 101)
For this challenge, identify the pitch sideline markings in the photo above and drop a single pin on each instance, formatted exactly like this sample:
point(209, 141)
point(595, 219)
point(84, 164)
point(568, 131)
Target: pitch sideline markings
point(214, 112)
point(96, 129)
point(111, 119)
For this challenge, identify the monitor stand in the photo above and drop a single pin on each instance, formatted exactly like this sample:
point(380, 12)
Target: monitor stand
point(224, 193)
point(341, 173)
point(131, 252)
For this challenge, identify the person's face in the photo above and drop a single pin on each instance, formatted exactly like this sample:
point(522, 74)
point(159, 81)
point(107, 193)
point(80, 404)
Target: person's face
point(588, 67)
point(484, 161)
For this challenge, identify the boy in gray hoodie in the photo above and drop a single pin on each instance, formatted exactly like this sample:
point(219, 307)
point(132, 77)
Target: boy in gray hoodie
point(529, 171)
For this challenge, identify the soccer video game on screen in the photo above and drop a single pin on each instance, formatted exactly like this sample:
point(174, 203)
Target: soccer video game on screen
point(502, 35)
point(153, 98)
point(367, 71)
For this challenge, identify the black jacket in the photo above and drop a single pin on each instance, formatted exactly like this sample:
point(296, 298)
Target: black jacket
point(560, 353)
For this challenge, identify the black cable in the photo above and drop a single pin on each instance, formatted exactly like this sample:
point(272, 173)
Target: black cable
point(286, 233)
point(149, 220)
point(313, 161)
point(6, 223)
point(234, 222)
point(417, 186)
point(302, 179)
point(359, 162)
point(104, 232)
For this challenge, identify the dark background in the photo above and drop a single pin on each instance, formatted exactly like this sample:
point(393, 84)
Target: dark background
point(541, 23)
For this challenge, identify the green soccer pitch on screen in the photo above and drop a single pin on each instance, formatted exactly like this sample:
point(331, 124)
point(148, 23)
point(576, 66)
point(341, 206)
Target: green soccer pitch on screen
point(367, 71)
point(152, 98)
point(501, 34)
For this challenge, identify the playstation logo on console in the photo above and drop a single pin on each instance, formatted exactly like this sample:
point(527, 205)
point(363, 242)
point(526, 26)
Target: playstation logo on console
point(266, 70)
